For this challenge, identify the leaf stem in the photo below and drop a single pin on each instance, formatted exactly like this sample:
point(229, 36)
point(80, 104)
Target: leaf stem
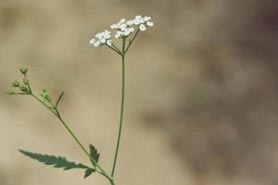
point(56, 112)
point(122, 109)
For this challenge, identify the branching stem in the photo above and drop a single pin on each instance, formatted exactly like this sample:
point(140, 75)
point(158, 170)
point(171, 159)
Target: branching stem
point(56, 112)
point(122, 109)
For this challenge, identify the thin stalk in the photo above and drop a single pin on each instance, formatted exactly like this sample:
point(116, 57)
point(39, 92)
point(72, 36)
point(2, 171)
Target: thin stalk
point(114, 48)
point(98, 168)
point(131, 41)
point(55, 111)
point(122, 109)
point(28, 85)
point(49, 108)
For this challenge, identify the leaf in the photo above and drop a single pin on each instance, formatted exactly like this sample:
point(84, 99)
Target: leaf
point(93, 152)
point(59, 99)
point(58, 162)
point(88, 172)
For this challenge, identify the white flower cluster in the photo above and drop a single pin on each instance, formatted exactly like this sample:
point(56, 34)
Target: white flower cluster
point(142, 22)
point(123, 29)
point(101, 39)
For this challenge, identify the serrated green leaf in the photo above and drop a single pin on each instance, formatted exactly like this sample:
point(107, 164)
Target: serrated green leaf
point(58, 162)
point(88, 172)
point(94, 153)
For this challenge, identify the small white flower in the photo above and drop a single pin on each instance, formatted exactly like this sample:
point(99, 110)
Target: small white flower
point(92, 41)
point(138, 20)
point(121, 24)
point(128, 31)
point(123, 20)
point(149, 24)
point(142, 27)
point(97, 44)
point(106, 34)
point(130, 22)
point(118, 34)
point(147, 18)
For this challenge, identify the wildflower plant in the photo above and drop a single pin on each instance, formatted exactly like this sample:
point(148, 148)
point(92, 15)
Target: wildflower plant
point(124, 31)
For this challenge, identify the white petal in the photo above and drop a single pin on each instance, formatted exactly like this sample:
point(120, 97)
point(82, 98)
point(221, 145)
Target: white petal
point(117, 35)
point(147, 18)
point(123, 26)
point(98, 35)
point(141, 20)
point(92, 41)
point(149, 23)
point(106, 34)
point(130, 22)
point(126, 33)
point(136, 22)
point(122, 20)
point(102, 40)
point(96, 44)
point(114, 26)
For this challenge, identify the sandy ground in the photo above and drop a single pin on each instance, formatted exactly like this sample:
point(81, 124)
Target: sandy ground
point(201, 91)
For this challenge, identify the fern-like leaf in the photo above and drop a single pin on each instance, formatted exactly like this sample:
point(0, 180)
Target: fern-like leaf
point(88, 172)
point(57, 162)
point(94, 153)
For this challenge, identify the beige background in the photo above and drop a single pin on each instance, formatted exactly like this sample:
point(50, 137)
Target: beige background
point(201, 91)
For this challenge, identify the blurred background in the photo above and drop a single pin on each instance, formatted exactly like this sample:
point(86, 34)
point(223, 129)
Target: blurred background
point(202, 91)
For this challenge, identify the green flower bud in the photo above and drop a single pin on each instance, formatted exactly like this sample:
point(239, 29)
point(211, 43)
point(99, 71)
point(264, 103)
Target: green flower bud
point(23, 88)
point(47, 98)
point(16, 83)
point(10, 92)
point(45, 95)
point(23, 70)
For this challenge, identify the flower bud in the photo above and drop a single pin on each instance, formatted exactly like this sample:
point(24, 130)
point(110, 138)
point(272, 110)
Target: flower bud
point(10, 92)
point(45, 95)
point(23, 70)
point(47, 98)
point(23, 88)
point(16, 83)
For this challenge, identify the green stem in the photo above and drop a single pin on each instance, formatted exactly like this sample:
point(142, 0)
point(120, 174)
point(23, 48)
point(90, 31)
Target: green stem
point(98, 167)
point(114, 48)
point(55, 111)
point(122, 109)
point(49, 108)
point(28, 85)
point(131, 41)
